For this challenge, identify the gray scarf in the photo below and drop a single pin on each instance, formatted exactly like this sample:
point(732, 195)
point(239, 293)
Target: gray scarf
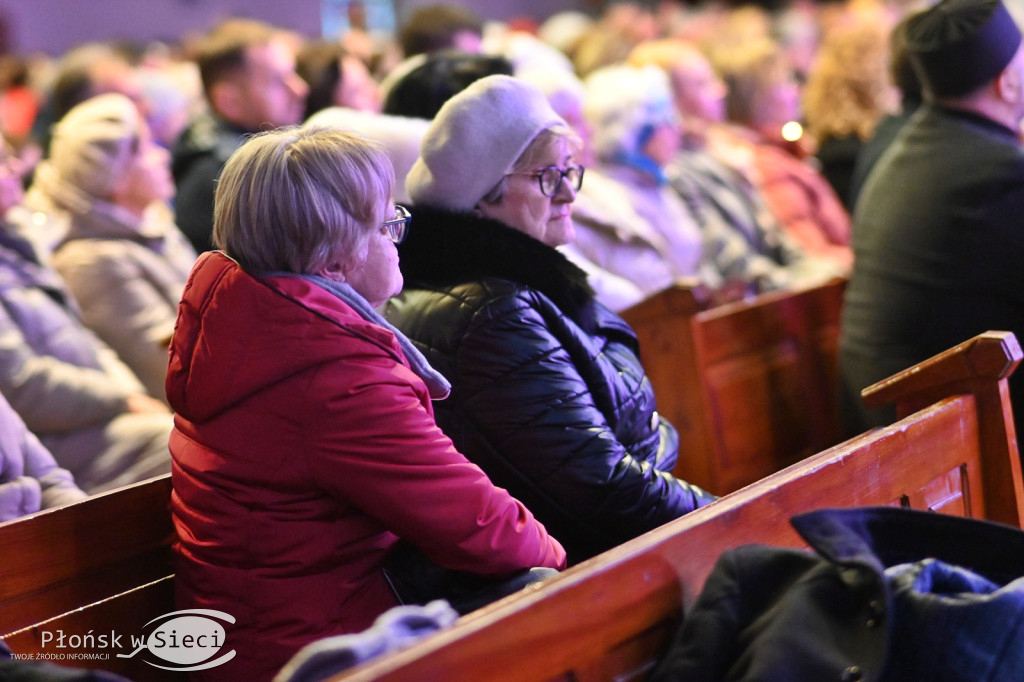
point(438, 386)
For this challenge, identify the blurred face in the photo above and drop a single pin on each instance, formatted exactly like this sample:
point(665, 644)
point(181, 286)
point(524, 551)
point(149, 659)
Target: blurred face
point(273, 93)
point(525, 208)
point(357, 89)
point(571, 111)
point(778, 102)
point(699, 92)
point(663, 144)
point(375, 274)
point(116, 76)
point(1014, 71)
point(148, 177)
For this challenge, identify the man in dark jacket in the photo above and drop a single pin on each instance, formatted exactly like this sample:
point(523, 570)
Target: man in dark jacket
point(249, 80)
point(937, 237)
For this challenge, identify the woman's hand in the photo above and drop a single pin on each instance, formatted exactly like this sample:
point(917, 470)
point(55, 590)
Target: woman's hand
point(141, 403)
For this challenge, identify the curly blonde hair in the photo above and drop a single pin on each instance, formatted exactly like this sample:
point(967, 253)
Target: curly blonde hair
point(848, 88)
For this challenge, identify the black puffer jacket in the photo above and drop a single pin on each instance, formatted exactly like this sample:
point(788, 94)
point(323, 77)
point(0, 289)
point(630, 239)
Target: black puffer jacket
point(548, 395)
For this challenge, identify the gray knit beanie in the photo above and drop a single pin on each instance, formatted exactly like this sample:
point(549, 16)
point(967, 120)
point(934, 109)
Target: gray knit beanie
point(93, 145)
point(475, 140)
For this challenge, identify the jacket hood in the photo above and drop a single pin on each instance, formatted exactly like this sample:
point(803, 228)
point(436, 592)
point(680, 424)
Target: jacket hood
point(234, 334)
point(445, 248)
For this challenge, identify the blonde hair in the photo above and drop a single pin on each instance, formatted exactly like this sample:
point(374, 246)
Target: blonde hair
point(298, 200)
point(664, 53)
point(847, 89)
point(748, 71)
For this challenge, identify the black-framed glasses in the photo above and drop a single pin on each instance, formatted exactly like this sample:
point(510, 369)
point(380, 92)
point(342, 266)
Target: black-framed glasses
point(550, 178)
point(397, 227)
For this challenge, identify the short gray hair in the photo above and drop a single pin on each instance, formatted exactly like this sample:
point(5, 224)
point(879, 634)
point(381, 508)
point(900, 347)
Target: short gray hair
point(298, 200)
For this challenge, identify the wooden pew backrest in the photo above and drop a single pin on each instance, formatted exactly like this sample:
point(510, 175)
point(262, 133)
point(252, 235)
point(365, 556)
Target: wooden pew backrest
point(751, 386)
point(610, 617)
point(101, 564)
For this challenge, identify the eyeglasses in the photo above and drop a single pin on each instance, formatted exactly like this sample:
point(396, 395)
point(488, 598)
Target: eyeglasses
point(551, 178)
point(397, 227)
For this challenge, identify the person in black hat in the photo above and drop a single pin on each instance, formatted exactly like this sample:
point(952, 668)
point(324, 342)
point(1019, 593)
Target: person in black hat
point(938, 240)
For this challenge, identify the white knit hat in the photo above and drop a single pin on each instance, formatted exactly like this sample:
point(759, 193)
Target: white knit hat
point(92, 145)
point(475, 140)
point(621, 101)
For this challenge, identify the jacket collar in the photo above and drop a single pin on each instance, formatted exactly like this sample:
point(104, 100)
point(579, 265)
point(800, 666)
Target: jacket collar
point(882, 537)
point(446, 248)
point(975, 119)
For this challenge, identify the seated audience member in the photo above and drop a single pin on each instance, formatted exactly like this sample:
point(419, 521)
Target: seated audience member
point(563, 30)
point(434, 28)
point(740, 233)
point(86, 71)
point(632, 222)
point(621, 26)
point(122, 257)
point(846, 94)
point(420, 92)
point(249, 81)
point(30, 479)
point(305, 450)
point(937, 227)
point(548, 394)
point(904, 78)
point(335, 79)
point(442, 26)
point(171, 91)
point(88, 409)
point(597, 199)
point(762, 98)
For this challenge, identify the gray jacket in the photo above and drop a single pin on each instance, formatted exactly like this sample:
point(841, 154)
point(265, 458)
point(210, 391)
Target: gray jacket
point(67, 385)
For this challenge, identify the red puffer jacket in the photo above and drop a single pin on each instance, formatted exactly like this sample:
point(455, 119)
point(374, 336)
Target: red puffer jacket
point(303, 448)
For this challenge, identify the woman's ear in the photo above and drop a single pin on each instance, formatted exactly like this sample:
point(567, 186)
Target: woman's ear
point(333, 271)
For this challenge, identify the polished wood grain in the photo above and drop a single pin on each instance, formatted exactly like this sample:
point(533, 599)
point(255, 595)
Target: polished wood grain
point(751, 386)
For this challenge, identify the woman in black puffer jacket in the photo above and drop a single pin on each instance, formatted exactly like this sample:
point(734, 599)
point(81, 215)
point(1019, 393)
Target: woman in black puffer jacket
point(548, 395)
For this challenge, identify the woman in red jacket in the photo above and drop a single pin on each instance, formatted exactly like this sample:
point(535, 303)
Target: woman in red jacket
point(304, 444)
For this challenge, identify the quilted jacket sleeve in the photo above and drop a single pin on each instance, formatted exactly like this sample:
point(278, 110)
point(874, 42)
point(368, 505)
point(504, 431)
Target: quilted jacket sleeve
point(546, 408)
point(51, 394)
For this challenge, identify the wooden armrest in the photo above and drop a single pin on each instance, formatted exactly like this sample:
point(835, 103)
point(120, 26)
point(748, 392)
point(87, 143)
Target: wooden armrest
point(990, 356)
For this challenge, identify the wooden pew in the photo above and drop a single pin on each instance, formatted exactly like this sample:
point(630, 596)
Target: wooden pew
point(101, 564)
point(610, 617)
point(751, 386)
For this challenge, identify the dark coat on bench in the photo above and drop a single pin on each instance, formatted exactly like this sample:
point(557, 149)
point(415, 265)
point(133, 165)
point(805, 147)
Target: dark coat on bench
point(770, 613)
point(548, 394)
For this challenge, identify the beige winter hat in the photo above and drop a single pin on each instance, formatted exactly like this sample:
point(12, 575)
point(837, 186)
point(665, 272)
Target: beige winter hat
point(94, 143)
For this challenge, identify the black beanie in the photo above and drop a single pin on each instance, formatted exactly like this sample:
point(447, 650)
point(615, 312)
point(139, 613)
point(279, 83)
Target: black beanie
point(958, 46)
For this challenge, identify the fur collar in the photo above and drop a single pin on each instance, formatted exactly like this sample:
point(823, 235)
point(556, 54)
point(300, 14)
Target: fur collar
point(445, 248)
